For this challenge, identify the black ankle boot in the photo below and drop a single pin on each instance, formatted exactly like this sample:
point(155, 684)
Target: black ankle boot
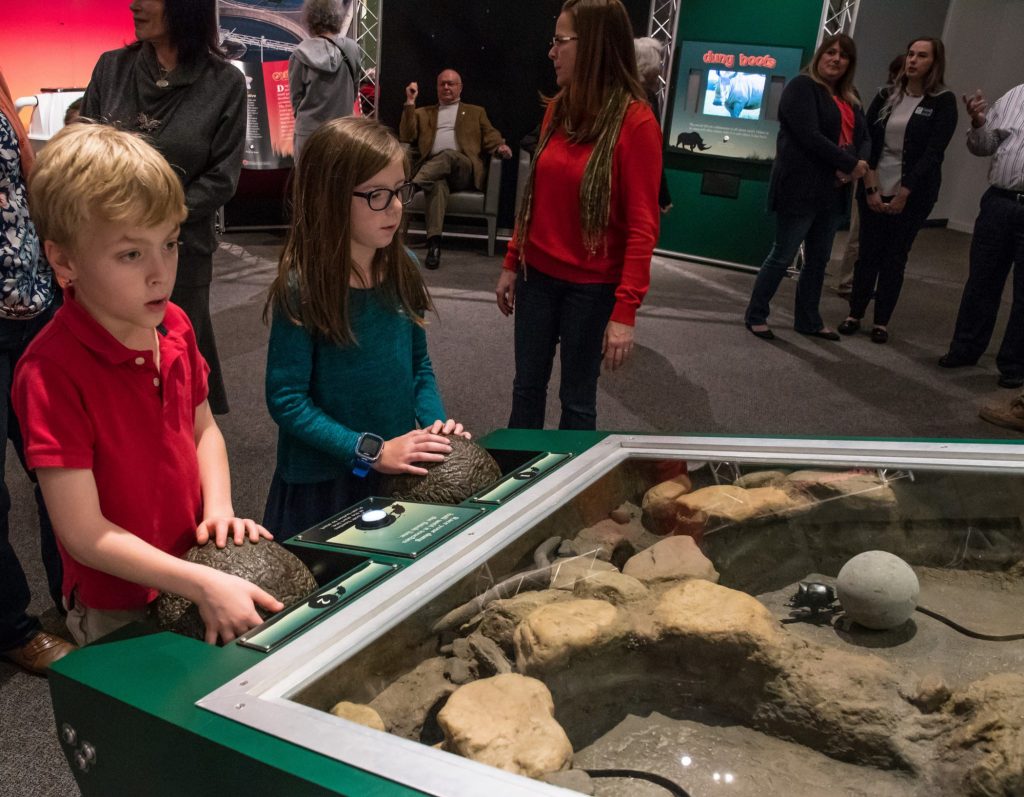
point(433, 253)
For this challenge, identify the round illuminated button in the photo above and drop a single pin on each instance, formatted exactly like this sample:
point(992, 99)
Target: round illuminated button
point(374, 519)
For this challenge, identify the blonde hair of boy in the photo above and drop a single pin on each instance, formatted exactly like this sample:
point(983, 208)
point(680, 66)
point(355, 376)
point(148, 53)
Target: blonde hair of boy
point(315, 269)
point(93, 172)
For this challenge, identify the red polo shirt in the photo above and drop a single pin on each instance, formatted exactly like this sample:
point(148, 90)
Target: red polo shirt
point(85, 401)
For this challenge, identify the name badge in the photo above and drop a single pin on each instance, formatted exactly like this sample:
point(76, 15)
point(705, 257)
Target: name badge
point(923, 111)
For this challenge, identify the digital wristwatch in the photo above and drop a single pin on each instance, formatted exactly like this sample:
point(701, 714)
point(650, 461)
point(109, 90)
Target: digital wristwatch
point(369, 447)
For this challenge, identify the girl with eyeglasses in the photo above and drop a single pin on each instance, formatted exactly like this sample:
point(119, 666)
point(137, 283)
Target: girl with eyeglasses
point(349, 381)
point(579, 263)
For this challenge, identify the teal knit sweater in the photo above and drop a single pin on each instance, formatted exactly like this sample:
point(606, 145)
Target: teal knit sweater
point(323, 396)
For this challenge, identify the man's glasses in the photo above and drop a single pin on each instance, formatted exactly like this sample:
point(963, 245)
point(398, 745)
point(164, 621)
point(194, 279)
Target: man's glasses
point(380, 198)
point(558, 41)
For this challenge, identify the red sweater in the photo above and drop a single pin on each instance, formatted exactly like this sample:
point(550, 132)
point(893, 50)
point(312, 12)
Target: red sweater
point(555, 244)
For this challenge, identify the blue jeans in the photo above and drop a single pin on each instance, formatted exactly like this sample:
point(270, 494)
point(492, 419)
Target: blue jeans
point(551, 312)
point(816, 231)
point(16, 626)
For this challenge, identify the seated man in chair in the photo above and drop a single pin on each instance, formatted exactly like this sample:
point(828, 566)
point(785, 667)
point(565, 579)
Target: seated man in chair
point(449, 138)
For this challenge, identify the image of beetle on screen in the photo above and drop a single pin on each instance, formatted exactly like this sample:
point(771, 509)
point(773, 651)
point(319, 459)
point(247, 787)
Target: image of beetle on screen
point(735, 94)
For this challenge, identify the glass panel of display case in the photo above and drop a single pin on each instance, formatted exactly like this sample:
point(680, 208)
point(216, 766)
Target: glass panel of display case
point(728, 625)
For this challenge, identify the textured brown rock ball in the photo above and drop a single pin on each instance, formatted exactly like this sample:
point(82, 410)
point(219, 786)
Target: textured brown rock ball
point(468, 469)
point(266, 564)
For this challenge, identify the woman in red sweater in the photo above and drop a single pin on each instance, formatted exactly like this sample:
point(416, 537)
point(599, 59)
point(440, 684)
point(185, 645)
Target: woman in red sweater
point(579, 263)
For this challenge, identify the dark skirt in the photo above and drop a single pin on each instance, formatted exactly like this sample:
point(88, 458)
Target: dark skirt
point(293, 508)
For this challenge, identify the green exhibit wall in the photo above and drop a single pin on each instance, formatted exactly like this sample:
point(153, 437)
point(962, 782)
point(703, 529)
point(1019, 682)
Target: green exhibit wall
point(736, 230)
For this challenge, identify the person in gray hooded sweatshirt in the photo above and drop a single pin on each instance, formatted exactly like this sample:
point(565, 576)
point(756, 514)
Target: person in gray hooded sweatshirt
point(323, 72)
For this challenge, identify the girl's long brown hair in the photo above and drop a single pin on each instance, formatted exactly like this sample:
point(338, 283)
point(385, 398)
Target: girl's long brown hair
point(312, 283)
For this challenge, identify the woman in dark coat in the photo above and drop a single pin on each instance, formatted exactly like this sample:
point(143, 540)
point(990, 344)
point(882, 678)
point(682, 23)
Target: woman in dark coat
point(911, 123)
point(821, 150)
point(174, 86)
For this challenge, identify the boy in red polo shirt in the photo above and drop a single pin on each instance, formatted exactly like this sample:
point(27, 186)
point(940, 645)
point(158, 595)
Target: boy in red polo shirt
point(111, 396)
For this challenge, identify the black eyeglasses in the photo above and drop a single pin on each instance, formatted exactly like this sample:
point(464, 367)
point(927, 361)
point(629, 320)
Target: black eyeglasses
point(380, 198)
point(558, 41)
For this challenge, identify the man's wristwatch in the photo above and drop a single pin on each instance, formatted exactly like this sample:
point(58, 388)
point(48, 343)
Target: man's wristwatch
point(871, 189)
point(369, 447)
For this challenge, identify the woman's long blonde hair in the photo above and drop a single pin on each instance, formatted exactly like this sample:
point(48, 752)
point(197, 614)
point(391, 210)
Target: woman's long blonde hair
point(312, 283)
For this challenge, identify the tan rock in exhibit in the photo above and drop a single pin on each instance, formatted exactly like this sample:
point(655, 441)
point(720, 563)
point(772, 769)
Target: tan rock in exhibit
point(500, 618)
point(567, 572)
point(357, 712)
point(659, 504)
point(508, 722)
point(859, 489)
point(724, 505)
point(727, 617)
point(671, 559)
point(611, 586)
point(551, 635)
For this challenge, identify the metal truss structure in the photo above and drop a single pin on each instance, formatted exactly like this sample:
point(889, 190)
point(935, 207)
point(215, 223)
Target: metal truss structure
point(838, 16)
point(662, 26)
point(367, 35)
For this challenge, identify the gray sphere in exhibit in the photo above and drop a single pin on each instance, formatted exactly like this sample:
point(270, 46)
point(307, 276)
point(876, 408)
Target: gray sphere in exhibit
point(266, 564)
point(878, 590)
point(466, 470)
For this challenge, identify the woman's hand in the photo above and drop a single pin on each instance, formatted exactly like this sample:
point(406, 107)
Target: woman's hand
point(875, 203)
point(449, 428)
point(617, 345)
point(419, 445)
point(506, 292)
point(898, 202)
point(859, 170)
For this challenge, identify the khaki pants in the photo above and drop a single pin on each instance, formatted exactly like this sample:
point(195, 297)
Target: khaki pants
point(447, 171)
point(843, 270)
point(87, 625)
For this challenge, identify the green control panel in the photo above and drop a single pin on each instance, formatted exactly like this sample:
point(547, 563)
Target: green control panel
point(519, 480)
point(405, 529)
point(291, 622)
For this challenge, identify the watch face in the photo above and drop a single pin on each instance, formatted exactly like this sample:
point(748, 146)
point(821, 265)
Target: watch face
point(369, 446)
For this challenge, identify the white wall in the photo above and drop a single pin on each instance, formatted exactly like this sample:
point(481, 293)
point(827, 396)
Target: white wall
point(884, 28)
point(983, 50)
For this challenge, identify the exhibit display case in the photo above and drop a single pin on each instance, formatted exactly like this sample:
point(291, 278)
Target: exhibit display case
point(615, 615)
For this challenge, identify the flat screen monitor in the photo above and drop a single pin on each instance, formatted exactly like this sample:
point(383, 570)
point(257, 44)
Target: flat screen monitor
point(739, 95)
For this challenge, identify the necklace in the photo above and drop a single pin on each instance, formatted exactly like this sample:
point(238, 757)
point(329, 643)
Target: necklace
point(162, 82)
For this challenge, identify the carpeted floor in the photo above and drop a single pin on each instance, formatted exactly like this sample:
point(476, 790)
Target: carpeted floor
point(696, 369)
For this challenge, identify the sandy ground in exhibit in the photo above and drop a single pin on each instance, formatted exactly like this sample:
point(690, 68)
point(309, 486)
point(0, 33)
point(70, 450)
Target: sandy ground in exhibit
point(706, 755)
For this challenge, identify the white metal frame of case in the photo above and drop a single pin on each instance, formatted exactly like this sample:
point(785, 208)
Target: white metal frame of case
point(259, 697)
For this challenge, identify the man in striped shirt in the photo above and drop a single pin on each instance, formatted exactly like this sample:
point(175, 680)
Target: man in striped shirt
point(998, 243)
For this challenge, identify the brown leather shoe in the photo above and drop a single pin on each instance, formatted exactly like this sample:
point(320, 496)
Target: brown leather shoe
point(1009, 415)
point(40, 652)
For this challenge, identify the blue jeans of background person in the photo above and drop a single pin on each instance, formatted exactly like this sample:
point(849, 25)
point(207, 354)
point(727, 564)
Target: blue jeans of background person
point(816, 231)
point(997, 246)
point(16, 626)
point(550, 312)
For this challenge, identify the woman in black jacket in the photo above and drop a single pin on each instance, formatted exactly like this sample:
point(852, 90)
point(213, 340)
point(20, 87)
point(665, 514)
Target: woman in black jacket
point(174, 86)
point(821, 150)
point(911, 123)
